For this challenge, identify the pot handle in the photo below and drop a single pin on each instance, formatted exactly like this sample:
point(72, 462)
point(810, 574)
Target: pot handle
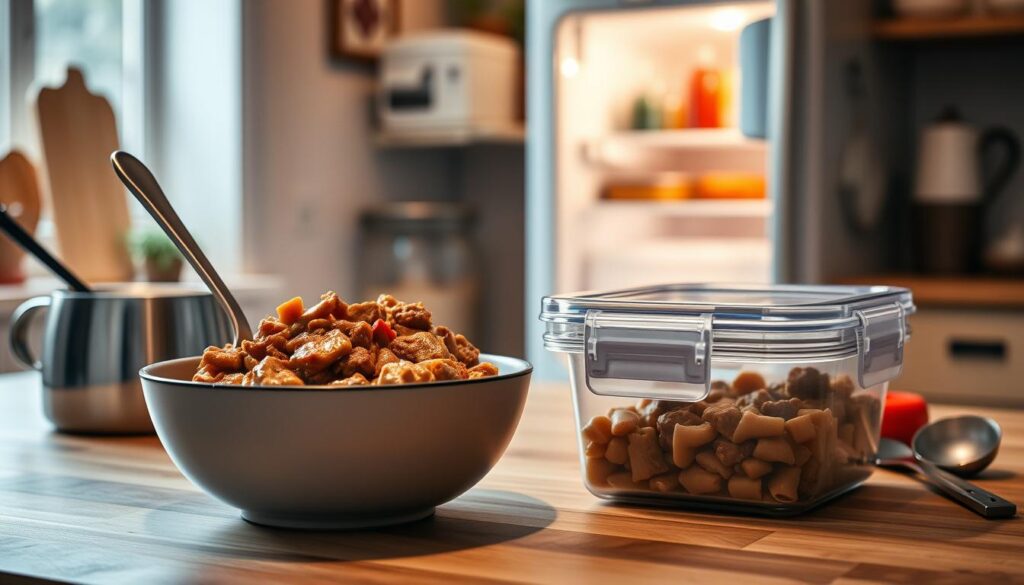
point(1001, 175)
point(20, 321)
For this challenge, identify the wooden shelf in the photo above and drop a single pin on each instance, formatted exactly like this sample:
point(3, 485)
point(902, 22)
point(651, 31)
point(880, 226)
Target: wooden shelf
point(953, 291)
point(449, 138)
point(913, 29)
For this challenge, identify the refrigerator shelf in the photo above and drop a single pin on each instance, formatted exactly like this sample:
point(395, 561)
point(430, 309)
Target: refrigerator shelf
point(700, 208)
point(694, 150)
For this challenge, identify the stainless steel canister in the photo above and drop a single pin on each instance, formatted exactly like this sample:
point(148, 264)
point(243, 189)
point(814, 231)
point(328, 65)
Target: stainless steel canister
point(95, 343)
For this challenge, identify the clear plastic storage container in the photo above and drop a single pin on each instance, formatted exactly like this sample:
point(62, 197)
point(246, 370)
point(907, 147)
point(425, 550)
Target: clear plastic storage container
point(762, 399)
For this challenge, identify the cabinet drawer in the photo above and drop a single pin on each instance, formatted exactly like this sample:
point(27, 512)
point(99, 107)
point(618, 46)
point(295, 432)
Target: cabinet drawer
point(966, 356)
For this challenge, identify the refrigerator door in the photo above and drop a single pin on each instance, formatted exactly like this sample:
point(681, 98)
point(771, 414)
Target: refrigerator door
point(835, 96)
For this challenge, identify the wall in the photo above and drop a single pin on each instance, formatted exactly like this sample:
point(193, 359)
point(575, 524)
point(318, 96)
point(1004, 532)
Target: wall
point(310, 164)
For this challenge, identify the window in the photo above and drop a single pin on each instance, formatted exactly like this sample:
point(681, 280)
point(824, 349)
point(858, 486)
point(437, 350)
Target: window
point(172, 73)
point(102, 38)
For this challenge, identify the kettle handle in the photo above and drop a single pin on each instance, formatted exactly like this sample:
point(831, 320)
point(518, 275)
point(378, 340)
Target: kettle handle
point(1002, 174)
point(18, 337)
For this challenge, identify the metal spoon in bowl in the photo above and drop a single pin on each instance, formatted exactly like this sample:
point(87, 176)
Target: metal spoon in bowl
point(141, 182)
point(940, 447)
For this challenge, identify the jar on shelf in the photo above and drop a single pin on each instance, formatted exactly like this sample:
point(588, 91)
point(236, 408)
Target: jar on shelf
point(423, 251)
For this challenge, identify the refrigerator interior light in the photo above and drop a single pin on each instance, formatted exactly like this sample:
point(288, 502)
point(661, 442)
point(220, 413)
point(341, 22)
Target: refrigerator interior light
point(727, 19)
point(569, 67)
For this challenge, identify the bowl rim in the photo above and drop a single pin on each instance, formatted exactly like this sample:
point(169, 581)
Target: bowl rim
point(523, 368)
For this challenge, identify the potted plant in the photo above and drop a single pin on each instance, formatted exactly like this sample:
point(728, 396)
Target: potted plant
point(161, 259)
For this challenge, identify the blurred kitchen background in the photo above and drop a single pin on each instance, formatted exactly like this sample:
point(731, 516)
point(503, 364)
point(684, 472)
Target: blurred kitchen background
point(479, 154)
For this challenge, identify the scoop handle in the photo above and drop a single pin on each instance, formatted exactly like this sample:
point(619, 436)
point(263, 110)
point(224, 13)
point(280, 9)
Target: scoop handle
point(141, 182)
point(978, 500)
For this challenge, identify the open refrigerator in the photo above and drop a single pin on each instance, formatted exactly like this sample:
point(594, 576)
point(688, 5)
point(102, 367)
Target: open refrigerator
point(656, 182)
point(630, 181)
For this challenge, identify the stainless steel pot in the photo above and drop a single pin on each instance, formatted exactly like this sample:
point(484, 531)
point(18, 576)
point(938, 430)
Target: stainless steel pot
point(95, 343)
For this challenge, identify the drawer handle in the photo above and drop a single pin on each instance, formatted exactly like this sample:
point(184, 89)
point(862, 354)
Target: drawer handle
point(977, 349)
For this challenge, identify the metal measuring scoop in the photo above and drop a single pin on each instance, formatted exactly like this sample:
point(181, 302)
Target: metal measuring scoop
point(964, 445)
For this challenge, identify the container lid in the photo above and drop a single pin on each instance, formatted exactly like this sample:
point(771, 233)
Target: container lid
point(659, 342)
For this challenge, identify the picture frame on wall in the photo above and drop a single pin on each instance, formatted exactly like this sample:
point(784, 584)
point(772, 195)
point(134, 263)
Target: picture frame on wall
point(361, 28)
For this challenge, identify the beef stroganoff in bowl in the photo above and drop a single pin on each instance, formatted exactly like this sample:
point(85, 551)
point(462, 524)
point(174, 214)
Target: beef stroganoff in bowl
point(333, 343)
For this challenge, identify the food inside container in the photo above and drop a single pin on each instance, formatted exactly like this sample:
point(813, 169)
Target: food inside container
point(333, 343)
point(722, 185)
point(759, 399)
point(660, 186)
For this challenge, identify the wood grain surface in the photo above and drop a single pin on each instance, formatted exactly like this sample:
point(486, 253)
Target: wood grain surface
point(78, 133)
point(115, 510)
point(19, 193)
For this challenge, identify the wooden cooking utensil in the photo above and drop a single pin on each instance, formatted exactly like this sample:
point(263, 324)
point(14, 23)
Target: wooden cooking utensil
point(19, 194)
point(78, 132)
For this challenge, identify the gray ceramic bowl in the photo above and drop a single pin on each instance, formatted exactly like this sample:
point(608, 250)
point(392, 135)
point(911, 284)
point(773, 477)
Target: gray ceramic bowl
point(334, 458)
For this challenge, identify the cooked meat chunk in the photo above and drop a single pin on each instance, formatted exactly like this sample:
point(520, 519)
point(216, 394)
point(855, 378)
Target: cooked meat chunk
point(724, 416)
point(319, 324)
point(419, 347)
point(403, 331)
point(843, 386)
point(482, 370)
point(321, 351)
point(650, 410)
point(299, 340)
point(730, 453)
point(271, 371)
point(360, 361)
point(446, 369)
point(412, 315)
point(807, 383)
point(715, 395)
point(225, 358)
point(388, 302)
point(329, 306)
point(448, 337)
point(667, 422)
point(360, 333)
point(645, 457)
point(369, 312)
point(384, 357)
point(208, 375)
point(356, 379)
point(753, 400)
point(333, 343)
point(269, 326)
point(458, 345)
point(404, 372)
point(785, 409)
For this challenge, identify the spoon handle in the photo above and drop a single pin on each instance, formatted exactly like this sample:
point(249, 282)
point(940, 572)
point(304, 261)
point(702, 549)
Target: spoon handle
point(978, 500)
point(30, 245)
point(141, 182)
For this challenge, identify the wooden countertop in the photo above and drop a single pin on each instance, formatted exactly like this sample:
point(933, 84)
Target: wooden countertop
point(115, 510)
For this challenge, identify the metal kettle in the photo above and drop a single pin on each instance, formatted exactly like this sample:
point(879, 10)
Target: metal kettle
point(952, 190)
